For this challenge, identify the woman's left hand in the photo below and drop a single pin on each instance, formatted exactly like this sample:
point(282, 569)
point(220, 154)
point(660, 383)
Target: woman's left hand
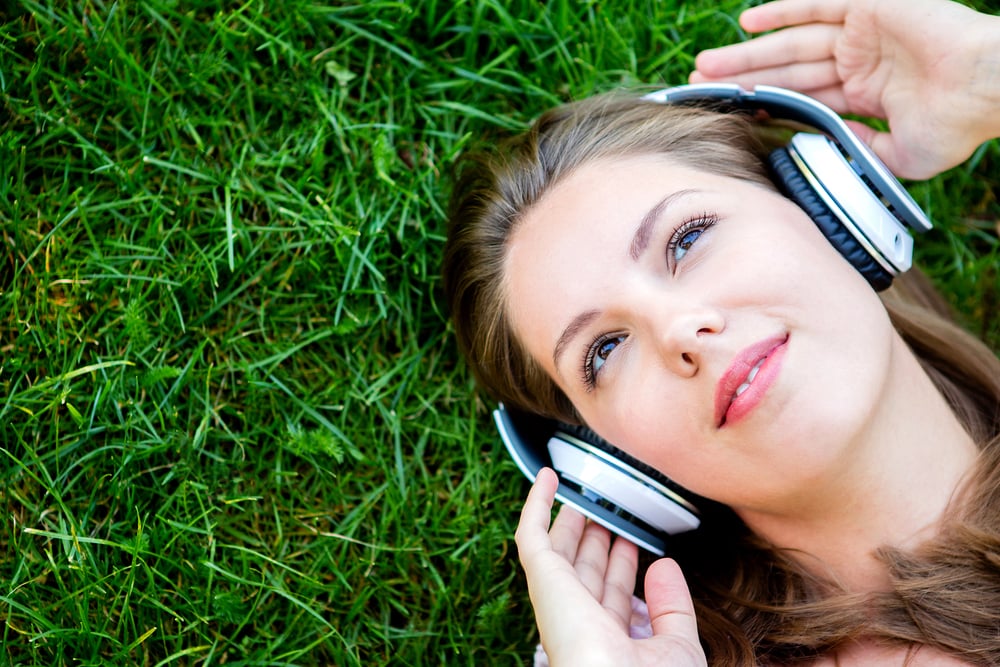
point(581, 583)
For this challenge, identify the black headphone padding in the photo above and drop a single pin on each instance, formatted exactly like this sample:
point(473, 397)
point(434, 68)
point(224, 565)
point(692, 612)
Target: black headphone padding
point(795, 186)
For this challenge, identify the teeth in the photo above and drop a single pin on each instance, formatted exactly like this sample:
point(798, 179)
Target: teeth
point(750, 376)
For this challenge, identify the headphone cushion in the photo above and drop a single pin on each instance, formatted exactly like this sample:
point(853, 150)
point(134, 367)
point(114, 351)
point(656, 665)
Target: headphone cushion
point(795, 186)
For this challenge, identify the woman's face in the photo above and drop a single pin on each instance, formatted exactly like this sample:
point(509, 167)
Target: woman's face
point(704, 325)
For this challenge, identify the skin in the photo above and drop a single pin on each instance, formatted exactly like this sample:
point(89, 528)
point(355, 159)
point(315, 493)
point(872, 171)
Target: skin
point(846, 422)
point(930, 67)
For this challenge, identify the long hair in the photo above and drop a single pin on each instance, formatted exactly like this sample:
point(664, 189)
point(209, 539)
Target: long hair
point(755, 604)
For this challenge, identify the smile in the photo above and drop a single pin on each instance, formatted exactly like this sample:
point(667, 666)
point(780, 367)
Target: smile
point(745, 383)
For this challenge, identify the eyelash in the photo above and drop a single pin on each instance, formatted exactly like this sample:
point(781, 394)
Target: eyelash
point(587, 370)
point(702, 222)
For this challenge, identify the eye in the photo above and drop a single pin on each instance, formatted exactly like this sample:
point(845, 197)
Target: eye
point(685, 236)
point(597, 354)
point(686, 242)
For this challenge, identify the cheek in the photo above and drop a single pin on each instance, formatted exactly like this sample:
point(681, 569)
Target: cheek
point(653, 425)
point(790, 261)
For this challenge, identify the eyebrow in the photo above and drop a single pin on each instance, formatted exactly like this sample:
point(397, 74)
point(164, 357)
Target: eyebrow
point(640, 241)
point(570, 332)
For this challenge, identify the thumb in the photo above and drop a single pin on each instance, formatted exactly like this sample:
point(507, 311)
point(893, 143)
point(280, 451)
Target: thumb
point(913, 159)
point(671, 611)
point(884, 145)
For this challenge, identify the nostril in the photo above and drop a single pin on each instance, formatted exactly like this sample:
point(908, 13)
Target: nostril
point(687, 358)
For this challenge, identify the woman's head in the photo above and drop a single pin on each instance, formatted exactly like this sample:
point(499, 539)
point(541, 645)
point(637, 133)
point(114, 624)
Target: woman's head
point(631, 265)
point(497, 190)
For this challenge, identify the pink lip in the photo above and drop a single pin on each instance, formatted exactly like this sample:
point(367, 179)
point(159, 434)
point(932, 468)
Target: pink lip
point(728, 409)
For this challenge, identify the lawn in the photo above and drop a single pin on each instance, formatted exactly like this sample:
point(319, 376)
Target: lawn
point(234, 428)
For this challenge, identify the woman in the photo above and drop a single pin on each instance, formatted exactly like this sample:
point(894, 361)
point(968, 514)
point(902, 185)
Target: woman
point(859, 464)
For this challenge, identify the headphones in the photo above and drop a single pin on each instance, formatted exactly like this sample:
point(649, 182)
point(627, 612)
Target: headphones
point(861, 209)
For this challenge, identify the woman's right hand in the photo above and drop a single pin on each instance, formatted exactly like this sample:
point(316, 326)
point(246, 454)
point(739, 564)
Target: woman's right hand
point(929, 67)
point(581, 584)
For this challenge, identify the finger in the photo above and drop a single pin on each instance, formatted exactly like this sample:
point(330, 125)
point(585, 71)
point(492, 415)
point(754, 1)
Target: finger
point(831, 95)
point(671, 611)
point(902, 163)
point(865, 133)
point(567, 531)
point(880, 142)
point(591, 562)
point(532, 533)
point(804, 77)
point(619, 582)
point(783, 13)
point(804, 44)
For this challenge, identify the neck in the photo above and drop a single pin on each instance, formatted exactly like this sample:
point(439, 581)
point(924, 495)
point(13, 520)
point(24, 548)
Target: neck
point(894, 489)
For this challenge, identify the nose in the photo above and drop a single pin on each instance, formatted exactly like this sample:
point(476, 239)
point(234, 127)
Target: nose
point(683, 330)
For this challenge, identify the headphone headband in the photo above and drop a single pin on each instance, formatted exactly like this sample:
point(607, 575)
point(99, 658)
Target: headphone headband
point(790, 105)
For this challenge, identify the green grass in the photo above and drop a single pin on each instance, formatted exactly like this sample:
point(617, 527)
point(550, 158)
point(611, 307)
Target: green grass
point(234, 426)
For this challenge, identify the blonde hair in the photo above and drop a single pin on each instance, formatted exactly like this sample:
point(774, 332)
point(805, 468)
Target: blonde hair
point(754, 603)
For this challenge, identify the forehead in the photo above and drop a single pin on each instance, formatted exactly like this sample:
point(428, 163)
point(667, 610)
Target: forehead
point(602, 197)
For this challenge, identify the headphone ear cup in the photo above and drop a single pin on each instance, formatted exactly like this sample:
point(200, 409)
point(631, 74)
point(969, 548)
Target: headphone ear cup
point(795, 186)
point(602, 482)
point(625, 485)
point(587, 435)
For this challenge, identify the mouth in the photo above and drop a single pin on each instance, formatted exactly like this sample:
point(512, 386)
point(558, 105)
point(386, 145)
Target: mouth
point(745, 382)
